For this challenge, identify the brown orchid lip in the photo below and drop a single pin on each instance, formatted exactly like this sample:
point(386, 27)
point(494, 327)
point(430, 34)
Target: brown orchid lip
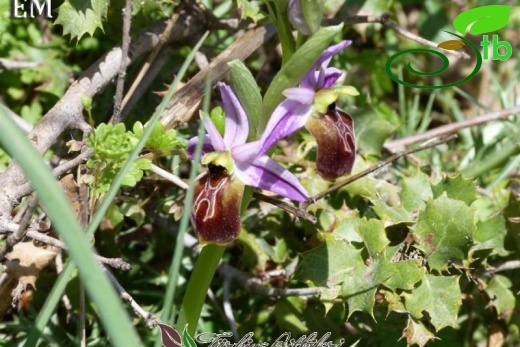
point(334, 133)
point(215, 213)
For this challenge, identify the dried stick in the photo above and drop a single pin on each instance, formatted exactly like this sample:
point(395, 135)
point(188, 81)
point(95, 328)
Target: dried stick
point(287, 207)
point(18, 235)
point(169, 176)
point(426, 145)
point(64, 298)
point(116, 263)
point(447, 129)
point(149, 319)
point(385, 20)
point(508, 265)
point(17, 192)
point(7, 64)
point(127, 18)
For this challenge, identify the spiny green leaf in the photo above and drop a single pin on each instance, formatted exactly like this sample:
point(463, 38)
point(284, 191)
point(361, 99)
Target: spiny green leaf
point(251, 9)
point(79, 17)
point(404, 274)
point(327, 264)
point(501, 296)
point(416, 191)
point(458, 188)
point(373, 234)
point(372, 131)
point(490, 234)
point(439, 296)
point(393, 214)
point(445, 229)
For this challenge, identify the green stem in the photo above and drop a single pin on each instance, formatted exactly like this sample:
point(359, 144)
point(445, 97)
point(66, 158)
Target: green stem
point(198, 286)
point(279, 16)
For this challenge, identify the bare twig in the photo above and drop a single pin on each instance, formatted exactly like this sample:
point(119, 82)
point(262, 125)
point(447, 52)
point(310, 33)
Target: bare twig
point(18, 235)
point(64, 298)
point(17, 192)
point(127, 18)
point(254, 285)
point(149, 319)
point(7, 64)
point(116, 263)
point(385, 20)
point(287, 207)
point(508, 265)
point(169, 176)
point(447, 129)
point(426, 145)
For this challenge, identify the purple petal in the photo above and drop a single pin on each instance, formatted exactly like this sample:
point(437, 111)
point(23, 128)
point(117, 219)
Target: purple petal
point(288, 117)
point(246, 152)
point(302, 95)
point(265, 173)
point(237, 126)
point(192, 144)
point(329, 77)
point(332, 51)
point(215, 138)
point(310, 80)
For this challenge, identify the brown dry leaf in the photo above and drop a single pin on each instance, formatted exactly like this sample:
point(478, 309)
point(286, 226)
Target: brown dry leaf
point(26, 261)
point(451, 45)
point(496, 337)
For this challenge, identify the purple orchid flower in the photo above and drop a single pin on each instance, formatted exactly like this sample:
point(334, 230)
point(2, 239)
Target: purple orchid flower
point(233, 163)
point(312, 104)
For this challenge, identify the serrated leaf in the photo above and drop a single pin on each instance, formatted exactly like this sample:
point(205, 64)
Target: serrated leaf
point(372, 131)
point(490, 234)
point(327, 264)
point(250, 9)
point(404, 274)
point(439, 296)
point(445, 229)
point(360, 285)
point(416, 333)
point(393, 302)
point(392, 214)
point(248, 92)
point(78, 17)
point(500, 295)
point(457, 188)
point(296, 67)
point(346, 230)
point(416, 191)
point(373, 234)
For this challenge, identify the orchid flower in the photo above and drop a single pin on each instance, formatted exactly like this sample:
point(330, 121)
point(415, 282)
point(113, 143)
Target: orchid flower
point(312, 104)
point(233, 163)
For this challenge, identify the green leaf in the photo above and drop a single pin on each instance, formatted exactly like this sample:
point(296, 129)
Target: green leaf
point(393, 214)
point(485, 19)
point(251, 9)
point(439, 296)
point(458, 188)
point(296, 67)
point(373, 234)
point(187, 340)
point(249, 95)
point(372, 131)
point(490, 234)
point(404, 274)
point(312, 12)
point(327, 264)
point(79, 17)
point(501, 296)
point(416, 333)
point(445, 229)
point(416, 191)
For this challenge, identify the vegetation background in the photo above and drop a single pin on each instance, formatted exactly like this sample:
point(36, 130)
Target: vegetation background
point(424, 251)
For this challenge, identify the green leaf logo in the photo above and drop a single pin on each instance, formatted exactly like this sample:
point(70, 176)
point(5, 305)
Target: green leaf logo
point(485, 19)
point(187, 340)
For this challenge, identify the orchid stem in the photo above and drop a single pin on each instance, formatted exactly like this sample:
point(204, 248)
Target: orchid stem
point(198, 286)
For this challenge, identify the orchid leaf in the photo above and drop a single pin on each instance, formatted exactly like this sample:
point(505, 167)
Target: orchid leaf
point(458, 188)
point(296, 67)
point(415, 192)
point(312, 12)
point(249, 95)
